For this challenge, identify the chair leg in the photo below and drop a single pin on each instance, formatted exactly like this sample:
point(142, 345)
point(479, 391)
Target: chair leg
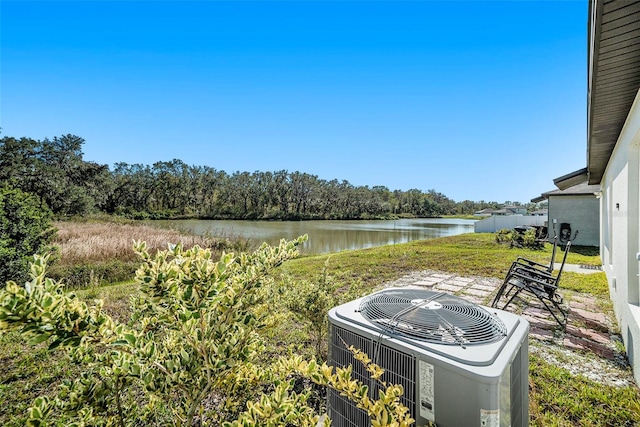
point(501, 291)
point(563, 322)
point(515, 282)
point(498, 295)
point(515, 294)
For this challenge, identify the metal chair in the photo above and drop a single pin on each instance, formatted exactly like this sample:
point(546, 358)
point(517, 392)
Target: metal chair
point(538, 280)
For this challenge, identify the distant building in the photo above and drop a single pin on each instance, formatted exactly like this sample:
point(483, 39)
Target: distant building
point(485, 212)
point(540, 212)
point(574, 208)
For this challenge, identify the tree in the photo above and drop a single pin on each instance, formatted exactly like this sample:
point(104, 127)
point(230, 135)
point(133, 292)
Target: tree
point(60, 176)
point(55, 172)
point(25, 230)
point(18, 162)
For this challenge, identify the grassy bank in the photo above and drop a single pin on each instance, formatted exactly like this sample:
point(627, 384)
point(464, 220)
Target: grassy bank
point(466, 255)
point(558, 398)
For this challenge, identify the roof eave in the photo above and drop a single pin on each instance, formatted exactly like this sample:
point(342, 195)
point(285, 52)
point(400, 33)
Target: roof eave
point(571, 179)
point(538, 199)
point(593, 43)
point(613, 80)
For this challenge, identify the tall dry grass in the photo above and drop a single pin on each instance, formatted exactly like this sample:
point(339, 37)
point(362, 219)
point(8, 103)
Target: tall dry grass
point(82, 242)
point(90, 253)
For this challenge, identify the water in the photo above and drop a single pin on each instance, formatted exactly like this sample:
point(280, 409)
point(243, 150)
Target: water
point(330, 235)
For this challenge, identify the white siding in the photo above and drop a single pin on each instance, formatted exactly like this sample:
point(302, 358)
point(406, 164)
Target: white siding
point(620, 206)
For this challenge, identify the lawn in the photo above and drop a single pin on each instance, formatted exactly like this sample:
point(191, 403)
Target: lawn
point(557, 397)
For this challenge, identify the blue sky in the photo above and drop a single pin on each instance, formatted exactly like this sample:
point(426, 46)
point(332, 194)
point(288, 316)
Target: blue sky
point(478, 100)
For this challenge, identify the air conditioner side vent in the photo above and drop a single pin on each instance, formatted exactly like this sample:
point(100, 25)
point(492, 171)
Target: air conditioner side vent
point(399, 369)
point(517, 385)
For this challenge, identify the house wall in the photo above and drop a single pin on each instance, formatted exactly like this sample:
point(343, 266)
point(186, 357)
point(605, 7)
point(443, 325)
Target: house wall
point(582, 212)
point(619, 228)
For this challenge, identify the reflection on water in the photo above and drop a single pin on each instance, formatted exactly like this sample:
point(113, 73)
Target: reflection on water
point(327, 236)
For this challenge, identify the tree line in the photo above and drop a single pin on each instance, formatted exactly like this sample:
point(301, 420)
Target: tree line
point(55, 172)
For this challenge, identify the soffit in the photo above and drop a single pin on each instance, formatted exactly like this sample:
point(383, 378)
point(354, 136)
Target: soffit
point(614, 76)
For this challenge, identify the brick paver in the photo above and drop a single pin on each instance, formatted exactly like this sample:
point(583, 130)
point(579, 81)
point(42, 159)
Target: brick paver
point(541, 334)
point(463, 281)
point(590, 318)
point(442, 275)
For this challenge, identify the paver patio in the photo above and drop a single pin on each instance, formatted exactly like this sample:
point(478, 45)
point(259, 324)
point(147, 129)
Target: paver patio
point(588, 329)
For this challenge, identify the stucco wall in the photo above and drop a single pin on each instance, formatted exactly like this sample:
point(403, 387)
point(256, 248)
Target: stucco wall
point(619, 225)
point(582, 212)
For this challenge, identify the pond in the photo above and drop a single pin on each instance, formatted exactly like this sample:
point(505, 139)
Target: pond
point(328, 236)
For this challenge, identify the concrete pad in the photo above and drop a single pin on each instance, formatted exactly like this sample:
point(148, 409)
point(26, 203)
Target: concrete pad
point(442, 276)
point(575, 268)
point(482, 287)
point(448, 288)
point(426, 282)
point(465, 280)
point(476, 292)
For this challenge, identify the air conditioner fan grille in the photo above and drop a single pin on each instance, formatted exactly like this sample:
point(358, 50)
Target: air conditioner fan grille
point(432, 316)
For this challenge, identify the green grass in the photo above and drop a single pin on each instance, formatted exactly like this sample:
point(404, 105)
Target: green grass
point(27, 372)
point(474, 254)
point(594, 284)
point(557, 397)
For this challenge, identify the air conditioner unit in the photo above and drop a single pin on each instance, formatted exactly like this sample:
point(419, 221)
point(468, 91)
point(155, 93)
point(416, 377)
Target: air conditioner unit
point(460, 364)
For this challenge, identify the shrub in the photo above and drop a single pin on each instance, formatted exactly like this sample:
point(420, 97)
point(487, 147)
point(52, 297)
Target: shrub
point(189, 354)
point(514, 238)
point(504, 235)
point(310, 301)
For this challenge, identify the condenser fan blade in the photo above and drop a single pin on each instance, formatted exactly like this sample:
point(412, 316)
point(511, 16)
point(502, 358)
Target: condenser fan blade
point(432, 316)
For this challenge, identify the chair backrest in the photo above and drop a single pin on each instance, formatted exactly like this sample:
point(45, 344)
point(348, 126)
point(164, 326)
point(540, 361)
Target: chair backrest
point(553, 251)
point(555, 246)
point(564, 257)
